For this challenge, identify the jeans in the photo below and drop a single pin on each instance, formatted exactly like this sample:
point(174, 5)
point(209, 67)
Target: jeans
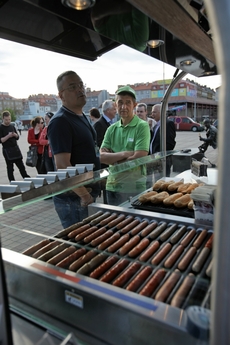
point(69, 209)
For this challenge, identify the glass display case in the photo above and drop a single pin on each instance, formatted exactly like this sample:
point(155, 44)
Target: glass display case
point(125, 274)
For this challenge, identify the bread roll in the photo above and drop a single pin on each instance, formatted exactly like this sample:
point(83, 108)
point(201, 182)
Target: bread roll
point(159, 197)
point(145, 197)
point(169, 201)
point(183, 187)
point(165, 185)
point(182, 201)
point(173, 186)
point(157, 185)
point(191, 188)
point(191, 204)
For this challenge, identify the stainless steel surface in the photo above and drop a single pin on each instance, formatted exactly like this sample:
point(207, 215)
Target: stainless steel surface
point(219, 13)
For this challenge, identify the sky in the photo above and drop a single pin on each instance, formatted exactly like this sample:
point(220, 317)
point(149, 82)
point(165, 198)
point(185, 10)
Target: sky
point(28, 71)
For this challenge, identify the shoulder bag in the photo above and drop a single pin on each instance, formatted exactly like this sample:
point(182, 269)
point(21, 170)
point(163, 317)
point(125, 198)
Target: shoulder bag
point(12, 153)
point(32, 156)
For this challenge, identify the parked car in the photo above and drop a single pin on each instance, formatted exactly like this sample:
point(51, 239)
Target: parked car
point(185, 123)
point(215, 123)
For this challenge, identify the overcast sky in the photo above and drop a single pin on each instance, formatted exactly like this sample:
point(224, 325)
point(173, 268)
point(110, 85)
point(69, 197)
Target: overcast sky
point(26, 70)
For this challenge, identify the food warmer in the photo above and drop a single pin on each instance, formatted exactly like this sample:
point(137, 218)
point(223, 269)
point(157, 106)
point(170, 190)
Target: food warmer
point(120, 288)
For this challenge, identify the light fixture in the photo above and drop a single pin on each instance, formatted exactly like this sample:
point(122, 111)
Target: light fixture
point(154, 43)
point(187, 62)
point(79, 4)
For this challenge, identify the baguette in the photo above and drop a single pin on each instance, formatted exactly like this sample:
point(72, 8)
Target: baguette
point(170, 199)
point(183, 187)
point(190, 188)
point(191, 204)
point(182, 201)
point(165, 185)
point(159, 197)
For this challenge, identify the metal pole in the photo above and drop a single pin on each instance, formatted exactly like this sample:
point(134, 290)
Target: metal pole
point(163, 116)
point(219, 15)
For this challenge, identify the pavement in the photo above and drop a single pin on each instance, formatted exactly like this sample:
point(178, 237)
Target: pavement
point(21, 227)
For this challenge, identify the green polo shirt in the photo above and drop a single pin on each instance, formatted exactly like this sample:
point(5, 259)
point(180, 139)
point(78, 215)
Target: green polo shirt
point(133, 137)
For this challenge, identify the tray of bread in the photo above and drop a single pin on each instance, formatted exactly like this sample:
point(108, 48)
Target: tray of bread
point(168, 196)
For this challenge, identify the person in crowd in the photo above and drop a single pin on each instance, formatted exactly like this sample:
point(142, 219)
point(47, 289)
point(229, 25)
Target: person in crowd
point(94, 115)
point(73, 141)
point(47, 156)
point(211, 137)
point(141, 111)
point(33, 137)
point(125, 140)
point(170, 136)
point(109, 112)
point(10, 148)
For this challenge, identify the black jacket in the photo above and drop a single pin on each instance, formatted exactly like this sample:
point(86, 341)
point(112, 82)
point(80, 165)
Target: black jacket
point(170, 138)
point(211, 135)
point(100, 127)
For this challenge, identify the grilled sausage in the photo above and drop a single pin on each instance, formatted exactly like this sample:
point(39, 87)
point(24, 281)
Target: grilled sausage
point(79, 230)
point(109, 219)
point(45, 249)
point(198, 263)
point(109, 241)
point(82, 260)
point(149, 251)
point(127, 274)
point(101, 238)
point(139, 227)
point(62, 255)
point(114, 222)
point(168, 232)
point(118, 244)
point(155, 233)
point(93, 216)
point(187, 258)
point(85, 233)
point(181, 294)
point(148, 229)
point(168, 286)
point(153, 283)
point(161, 254)
point(175, 238)
point(139, 248)
point(71, 258)
point(100, 218)
point(209, 269)
point(125, 222)
point(31, 250)
point(188, 238)
point(89, 266)
point(46, 256)
point(174, 256)
point(114, 271)
point(130, 226)
point(197, 243)
point(129, 245)
point(140, 278)
point(94, 235)
point(66, 231)
point(109, 262)
point(209, 242)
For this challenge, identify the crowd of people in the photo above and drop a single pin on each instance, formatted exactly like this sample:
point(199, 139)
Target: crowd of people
point(69, 138)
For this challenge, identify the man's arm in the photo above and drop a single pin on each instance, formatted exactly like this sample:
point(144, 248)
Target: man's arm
point(137, 154)
point(62, 161)
point(110, 158)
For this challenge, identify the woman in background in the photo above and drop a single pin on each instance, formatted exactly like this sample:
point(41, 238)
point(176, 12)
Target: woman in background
point(43, 140)
point(33, 139)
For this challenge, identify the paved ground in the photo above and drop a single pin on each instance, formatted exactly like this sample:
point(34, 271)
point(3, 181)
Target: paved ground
point(40, 217)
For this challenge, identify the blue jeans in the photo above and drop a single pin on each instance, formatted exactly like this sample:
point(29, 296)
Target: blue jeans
point(69, 209)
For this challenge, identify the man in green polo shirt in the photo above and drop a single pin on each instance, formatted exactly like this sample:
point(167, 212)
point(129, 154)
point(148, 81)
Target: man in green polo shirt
point(125, 141)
